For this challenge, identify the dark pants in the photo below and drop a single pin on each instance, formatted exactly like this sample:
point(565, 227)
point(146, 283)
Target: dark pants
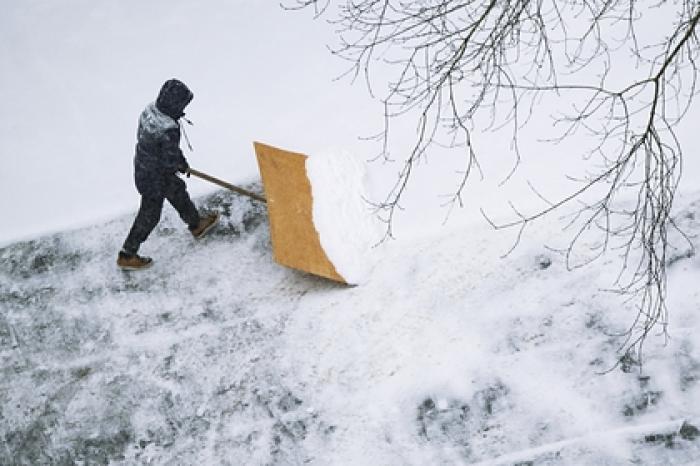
point(151, 207)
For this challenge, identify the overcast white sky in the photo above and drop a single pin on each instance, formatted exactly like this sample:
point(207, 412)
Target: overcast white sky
point(76, 74)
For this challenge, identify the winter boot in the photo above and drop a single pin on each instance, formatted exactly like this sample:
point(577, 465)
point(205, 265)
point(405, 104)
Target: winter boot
point(206, 223)
point(133, 261)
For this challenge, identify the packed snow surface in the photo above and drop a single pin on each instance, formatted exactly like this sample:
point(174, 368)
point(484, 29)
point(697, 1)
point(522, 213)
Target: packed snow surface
point(347, 226)
point(447, 354)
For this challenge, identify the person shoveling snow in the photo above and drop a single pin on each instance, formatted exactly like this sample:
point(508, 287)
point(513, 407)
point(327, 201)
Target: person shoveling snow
point(157, 163)
point(318, 218)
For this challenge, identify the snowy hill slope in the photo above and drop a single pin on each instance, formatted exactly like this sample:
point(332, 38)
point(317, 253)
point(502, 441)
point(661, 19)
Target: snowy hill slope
point(448, 355)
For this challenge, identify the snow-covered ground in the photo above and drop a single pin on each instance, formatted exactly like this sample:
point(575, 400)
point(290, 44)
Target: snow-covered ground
point(446, 355)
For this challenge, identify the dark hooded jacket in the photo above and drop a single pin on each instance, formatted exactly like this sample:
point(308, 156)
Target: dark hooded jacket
point(158, 155)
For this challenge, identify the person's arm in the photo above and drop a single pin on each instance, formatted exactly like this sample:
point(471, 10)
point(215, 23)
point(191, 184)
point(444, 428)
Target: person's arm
point(173, 158)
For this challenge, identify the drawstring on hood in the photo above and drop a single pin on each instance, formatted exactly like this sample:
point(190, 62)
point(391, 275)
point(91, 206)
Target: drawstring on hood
point(184, 133)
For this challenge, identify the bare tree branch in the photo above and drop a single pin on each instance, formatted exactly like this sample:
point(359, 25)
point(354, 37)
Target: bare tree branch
point(463, 64)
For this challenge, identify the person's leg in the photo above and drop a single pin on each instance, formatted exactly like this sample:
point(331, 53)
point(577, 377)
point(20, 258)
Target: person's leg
point(144, 223)
point(176, 194)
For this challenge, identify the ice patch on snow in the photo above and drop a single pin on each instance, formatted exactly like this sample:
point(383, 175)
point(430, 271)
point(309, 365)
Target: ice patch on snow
point(347, 228)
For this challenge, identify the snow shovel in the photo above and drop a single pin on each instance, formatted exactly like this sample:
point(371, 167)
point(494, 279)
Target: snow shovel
point(295, 240)
point(226, 185)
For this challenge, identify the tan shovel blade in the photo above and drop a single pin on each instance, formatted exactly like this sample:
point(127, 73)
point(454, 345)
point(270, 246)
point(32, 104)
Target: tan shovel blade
point(295, 241)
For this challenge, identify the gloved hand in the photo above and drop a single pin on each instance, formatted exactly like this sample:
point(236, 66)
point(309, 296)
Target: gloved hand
point(184, 167)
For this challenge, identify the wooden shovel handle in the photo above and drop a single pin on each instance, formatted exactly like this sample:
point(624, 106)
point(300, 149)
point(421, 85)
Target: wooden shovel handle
point(226, 185)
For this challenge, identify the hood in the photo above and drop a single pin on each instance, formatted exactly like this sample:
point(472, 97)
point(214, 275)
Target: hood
point(173, 98)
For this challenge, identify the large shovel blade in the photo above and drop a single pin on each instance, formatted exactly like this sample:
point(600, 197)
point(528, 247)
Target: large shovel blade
point(295, 240)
